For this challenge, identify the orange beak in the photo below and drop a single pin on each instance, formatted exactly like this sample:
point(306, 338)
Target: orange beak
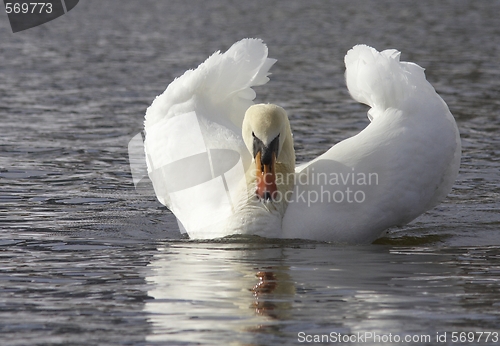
point(266, 178)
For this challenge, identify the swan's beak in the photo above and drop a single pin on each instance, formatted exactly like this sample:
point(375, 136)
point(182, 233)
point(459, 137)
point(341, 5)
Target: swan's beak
point(265, 163)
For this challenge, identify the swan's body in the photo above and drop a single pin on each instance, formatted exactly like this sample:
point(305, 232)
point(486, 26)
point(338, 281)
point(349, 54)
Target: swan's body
point(224, 167)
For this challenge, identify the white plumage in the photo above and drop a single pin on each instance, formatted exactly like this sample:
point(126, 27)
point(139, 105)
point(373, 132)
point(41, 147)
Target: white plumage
point(402, 164)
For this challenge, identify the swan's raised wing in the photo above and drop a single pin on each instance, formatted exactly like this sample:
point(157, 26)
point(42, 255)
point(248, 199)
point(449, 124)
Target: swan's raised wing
point(402, 164)
point(194, 150)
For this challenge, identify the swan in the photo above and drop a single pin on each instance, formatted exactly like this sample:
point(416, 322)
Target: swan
point(226, 166)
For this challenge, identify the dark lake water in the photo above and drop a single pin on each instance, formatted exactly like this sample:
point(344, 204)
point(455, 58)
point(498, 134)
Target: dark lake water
point(85, 259)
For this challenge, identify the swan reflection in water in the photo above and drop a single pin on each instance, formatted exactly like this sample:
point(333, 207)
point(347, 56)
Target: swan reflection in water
point(202, 290)
point(254, 292)
point(270, 293)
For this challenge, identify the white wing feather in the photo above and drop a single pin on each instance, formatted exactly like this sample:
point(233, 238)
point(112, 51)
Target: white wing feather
point(379, 178)
point(193, 145)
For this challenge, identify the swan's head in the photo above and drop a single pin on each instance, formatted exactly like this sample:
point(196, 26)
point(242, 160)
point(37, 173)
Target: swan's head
point(265, 129)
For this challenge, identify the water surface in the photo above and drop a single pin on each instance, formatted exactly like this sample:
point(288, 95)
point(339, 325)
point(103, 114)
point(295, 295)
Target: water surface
point(87, 260)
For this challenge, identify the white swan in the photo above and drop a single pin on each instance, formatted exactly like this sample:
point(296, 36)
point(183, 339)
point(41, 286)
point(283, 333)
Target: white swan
point(224, 166)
